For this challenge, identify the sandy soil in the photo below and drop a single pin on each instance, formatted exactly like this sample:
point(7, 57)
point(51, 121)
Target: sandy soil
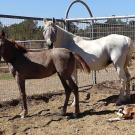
point(43, 118)
point(45, 99)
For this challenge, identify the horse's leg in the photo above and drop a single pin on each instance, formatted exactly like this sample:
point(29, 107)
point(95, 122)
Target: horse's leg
point(128, 83)
point(74, 87)
point(67, 93)
point(123, 81)
point(21, 85)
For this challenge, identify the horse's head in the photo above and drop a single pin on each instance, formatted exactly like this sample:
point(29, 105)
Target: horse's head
point(50, 32)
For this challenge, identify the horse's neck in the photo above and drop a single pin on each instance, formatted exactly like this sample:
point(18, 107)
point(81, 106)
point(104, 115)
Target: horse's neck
point(67, 40)
point(64, 38)
point(77, 39)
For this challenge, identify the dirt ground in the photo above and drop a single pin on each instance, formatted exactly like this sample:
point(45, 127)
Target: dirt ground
point(44, 118)
point(46, 98)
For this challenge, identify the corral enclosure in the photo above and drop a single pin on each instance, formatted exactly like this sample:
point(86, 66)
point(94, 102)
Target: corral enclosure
point(42, 118)
point(27, 31)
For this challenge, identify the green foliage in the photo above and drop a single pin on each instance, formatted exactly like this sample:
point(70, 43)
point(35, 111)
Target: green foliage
point(6, 76)
point(30, 29)
point(26, 30)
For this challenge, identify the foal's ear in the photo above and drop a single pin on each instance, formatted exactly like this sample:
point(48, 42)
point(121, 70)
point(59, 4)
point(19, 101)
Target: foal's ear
point(2, 35)
point(53, 20)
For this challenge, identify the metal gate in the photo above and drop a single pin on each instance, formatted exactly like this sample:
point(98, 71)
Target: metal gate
point(92, 27)
point(103, 26)
point(97, 27)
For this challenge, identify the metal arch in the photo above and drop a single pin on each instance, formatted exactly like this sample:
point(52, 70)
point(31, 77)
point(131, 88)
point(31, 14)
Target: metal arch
point(91, 15)
point(76, 1)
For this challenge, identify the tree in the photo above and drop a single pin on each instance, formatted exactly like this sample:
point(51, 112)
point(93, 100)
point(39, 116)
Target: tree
point(26, 30)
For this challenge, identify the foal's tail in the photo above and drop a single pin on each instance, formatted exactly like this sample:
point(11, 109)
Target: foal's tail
point(83, 64)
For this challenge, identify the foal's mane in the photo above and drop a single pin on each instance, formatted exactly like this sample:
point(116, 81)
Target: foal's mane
point(20, 48)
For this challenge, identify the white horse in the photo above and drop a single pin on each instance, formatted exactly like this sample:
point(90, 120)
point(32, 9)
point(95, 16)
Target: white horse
point(99, 53)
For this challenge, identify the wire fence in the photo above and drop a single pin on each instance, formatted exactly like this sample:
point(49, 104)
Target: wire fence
point(97, 27)
point(28, 32)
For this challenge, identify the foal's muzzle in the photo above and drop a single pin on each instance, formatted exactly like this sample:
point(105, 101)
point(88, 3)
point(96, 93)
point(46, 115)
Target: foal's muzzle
point(49, 44)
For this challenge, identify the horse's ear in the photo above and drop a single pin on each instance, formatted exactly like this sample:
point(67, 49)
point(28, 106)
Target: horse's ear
point(45, 20)
point(2, 35)
point(53, 20)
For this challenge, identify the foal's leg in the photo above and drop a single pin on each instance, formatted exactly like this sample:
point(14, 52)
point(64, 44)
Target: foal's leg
point(21, 85)
point(75, 78)
point(74, 87)
point(12, 70)
point(74, 75)
point(67, 93)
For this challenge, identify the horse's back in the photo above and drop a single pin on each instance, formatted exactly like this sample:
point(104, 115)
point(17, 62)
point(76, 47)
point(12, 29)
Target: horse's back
point(104, 50)
point(118, 42)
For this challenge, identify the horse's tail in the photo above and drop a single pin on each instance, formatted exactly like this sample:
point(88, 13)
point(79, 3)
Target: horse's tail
point(131, 50)
point(81, 61)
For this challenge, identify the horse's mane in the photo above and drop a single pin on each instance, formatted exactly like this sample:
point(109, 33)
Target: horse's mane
point(69, 33)
point(20, 48)
point(73, 35)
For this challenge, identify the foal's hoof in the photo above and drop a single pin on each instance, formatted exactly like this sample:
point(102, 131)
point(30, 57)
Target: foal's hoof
point(23, 114)
point(72, 104)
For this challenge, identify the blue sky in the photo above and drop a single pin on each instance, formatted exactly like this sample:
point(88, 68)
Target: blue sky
point(57, 8)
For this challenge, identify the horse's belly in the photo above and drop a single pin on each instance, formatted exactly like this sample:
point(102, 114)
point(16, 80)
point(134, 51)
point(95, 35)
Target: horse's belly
point(98, 63)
